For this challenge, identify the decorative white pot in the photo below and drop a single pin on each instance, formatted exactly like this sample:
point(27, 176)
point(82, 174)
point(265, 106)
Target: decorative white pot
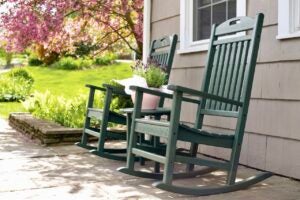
point(149, 101)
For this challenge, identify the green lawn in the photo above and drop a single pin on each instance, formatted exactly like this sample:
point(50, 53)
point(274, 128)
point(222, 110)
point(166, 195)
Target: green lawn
point(68, 83)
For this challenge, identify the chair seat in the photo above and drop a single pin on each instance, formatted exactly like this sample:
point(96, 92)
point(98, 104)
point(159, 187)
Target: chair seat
point(190, 134)
point(157, 111)
point(117, 129)
point(113, 116)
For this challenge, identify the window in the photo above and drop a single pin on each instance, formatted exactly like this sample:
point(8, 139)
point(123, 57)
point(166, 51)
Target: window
point(197, 17)
point(288, 19)
point(207, 12)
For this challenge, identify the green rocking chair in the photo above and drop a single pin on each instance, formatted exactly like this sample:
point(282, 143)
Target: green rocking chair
point(225, 92)
point(162, 51)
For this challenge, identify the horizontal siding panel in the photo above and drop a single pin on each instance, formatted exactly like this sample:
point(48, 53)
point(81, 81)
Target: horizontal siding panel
point(280, 81)
point(268, 7)
point(191, 78)
point(273, 50)
point(165, 27)
point(190, 60)
point(275, 118)
point(162, 9)
point(282, 157)
point(277, 81)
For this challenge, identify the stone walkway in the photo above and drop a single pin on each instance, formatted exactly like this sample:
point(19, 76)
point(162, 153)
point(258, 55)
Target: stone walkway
point(30, 171)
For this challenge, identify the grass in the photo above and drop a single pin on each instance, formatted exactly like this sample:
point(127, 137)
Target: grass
point(68, 83)
point(6, 108)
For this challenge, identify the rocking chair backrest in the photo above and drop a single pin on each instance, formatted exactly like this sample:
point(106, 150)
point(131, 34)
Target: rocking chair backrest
point(231, 64)
point(163, 50)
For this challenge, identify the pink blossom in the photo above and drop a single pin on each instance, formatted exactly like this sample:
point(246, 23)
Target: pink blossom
point(58, 24)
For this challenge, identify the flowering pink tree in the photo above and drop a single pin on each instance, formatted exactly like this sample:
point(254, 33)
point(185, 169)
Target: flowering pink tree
point(55, 25)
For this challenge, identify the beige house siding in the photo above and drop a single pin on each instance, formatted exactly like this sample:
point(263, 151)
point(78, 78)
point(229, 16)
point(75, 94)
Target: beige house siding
point(272, 138)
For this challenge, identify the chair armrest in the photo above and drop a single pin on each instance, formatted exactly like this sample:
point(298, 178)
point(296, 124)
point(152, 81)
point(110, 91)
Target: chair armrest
point(203, 94)
point(115, 89)
point(162, 94)
point(151, 91)
point(95, 87)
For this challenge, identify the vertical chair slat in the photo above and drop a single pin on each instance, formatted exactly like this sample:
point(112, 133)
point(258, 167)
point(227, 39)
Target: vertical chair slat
point(218, 74)
point(241, 73)
point(224, 74)
point(236, 67)
point(229, 75)
point(164, 59)
point(213, 74)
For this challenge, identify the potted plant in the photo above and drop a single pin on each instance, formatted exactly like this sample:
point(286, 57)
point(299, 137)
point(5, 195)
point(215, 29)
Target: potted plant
point(155, 77)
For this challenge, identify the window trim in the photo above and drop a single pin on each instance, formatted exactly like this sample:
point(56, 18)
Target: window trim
point(186, 27)
point(286, 13)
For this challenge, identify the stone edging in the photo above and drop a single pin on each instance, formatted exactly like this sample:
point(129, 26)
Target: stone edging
point(45, 132)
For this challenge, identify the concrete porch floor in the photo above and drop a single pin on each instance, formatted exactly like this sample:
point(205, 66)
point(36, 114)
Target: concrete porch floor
point(30, 171)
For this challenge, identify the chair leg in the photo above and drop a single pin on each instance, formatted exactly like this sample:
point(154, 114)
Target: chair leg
point(133, 135)
point(104, 122)
point(156, 143)
point(193, 153)
point(231, 176)
point(141, 141)
point(87, 123)
point(84, 138)
point(172, 139)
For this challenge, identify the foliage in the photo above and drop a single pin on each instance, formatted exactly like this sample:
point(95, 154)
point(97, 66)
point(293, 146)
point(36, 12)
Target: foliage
point(70, 63)
point(120, 101)
point(105, 59)
point(153, 73)
point(2, 53)
point(67, 112)
point(57, 25)
point(47, 56)
point(20, 73)
point(15, 85)
point(34, 61)
point(8, 56)
point(84, 48)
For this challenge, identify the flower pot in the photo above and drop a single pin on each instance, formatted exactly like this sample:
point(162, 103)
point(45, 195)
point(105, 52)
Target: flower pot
point(149, 101)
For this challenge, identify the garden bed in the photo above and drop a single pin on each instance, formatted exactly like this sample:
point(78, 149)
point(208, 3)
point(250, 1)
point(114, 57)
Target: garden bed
point(43, 131)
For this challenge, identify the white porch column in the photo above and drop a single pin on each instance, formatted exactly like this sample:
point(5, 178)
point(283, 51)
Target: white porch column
point(146, 31)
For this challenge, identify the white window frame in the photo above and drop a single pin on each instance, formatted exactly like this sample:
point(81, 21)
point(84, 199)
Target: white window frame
point(187, 45)
point(288, 19)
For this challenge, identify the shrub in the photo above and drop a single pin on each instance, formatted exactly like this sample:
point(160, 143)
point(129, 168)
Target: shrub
point(70, 63)
point(15, 85)
point(67, 112)
point(106, 59)
point(34, 61)
point(20, 73)
point(120, 101)
point(84, 48)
